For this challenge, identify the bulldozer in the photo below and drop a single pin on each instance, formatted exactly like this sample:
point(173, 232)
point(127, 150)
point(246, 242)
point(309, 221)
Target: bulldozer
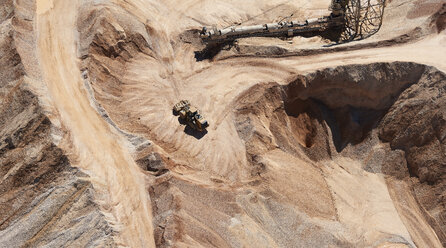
point(191, 115)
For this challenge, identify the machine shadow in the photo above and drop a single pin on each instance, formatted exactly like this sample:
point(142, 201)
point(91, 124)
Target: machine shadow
point(211, 50)
point(192, 132)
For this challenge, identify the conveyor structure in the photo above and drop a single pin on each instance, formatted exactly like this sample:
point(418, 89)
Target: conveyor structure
point(352, 19)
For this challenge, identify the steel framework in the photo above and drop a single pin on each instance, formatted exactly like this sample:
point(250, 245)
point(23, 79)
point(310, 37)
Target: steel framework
point(363, 18)
point(350, 20)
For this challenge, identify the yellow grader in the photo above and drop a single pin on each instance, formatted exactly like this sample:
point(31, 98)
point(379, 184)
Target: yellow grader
point(190, 115)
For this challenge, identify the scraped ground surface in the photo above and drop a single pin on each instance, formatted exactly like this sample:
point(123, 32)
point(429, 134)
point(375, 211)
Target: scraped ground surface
point(309, 145)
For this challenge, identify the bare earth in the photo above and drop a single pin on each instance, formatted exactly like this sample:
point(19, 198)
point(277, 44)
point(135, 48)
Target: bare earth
point(309, 145)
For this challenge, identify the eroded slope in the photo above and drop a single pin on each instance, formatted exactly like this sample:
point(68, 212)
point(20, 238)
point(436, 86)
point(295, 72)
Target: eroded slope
point(334, 117)
point(44, 200)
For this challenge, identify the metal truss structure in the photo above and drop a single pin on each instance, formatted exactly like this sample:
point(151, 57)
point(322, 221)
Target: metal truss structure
point(363, 18)
point(349, 20)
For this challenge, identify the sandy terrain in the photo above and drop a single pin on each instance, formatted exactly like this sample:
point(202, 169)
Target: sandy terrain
point(112, 170)
point(309, 145)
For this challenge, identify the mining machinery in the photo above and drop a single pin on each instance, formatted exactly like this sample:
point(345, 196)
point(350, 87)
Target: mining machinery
point(349, 19)
point(191, 115)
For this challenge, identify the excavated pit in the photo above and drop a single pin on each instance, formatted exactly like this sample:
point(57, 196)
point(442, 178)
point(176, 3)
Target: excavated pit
point(349, 116)
point(309, 145)
point(390, 118)
point(332, 114)
point(300, 152)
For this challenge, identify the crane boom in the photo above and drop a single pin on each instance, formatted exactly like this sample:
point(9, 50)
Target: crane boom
point(350, 19)
point(280, 29)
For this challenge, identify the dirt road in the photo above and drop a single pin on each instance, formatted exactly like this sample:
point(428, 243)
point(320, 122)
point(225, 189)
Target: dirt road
point(100, 151)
